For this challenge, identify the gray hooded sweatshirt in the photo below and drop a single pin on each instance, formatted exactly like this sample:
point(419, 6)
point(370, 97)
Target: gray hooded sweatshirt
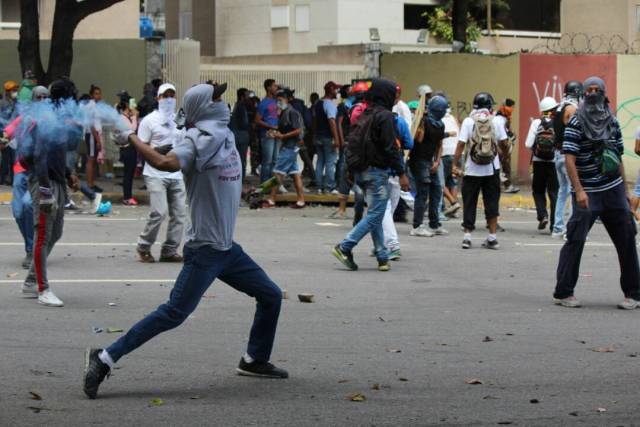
point(212, 170)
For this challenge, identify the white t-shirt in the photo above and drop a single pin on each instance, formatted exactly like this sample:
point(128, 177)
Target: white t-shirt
point(156, 131)
point(531, 139)
point(402, 110)
point(449, 144)
point(466, 130)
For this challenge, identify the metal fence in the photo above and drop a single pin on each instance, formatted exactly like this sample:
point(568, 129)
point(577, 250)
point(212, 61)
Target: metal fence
point(304, 79)
point(181, 64)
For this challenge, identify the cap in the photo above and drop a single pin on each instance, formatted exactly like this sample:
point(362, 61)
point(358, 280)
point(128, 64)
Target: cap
point(218, 90)
point(10, 85)
point(123, 94)
point(285, 92)
point(424, 90)
point(165, 87)
point(359, 87)
point(331, 86)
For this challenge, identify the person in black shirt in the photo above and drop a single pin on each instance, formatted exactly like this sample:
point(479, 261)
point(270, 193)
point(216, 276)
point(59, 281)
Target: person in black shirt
point(240, 125)
point(424, 161)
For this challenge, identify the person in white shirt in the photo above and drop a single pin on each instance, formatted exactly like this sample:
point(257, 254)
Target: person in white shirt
point(541, 141)
point(482, 169)
point(401, 108)
point(166, 189)
point(449, 183)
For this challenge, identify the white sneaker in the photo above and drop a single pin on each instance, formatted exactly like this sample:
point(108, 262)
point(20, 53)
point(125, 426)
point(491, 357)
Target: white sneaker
point(335, 192)
point(452, 209)
point(557, 235)
point(49, 299)
point(95, 203)
point(29, 291)
point(320, 191)
point(282, 189)
point(629, 304)
point(439, 231)
point(421, 231)
point(570, 302)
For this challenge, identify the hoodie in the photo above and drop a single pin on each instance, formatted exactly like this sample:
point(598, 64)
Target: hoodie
point(212, 170)
point(380, 99)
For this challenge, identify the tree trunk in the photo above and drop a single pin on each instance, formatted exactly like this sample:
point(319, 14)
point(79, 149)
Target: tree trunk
point(61, 51)
point(29, 44)
point(459, 21)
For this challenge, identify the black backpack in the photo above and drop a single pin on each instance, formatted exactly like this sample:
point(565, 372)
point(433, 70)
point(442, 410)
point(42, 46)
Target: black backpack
point(360, 149)
point(544, 146)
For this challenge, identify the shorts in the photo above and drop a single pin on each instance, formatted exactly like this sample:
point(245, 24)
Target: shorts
point(91, 145)
point(287, 162)
point(636, 189)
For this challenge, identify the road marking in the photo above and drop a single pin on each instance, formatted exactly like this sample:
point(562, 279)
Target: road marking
point(562, 244)
point(74, 244)
point(87, 219)
point(5, 281)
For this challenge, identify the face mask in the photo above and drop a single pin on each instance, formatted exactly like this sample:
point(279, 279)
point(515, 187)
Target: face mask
point(167, 106)
point(448, 110)
point(283, 105)
point(594, 98)
point(14, 95)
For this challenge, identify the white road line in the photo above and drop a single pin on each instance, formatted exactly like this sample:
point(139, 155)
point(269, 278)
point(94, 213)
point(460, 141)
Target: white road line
point(562, 244)
point(75, 244)
point(4, 281)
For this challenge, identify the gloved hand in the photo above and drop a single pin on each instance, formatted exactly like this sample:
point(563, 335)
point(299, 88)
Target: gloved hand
point(121, 137)
point(163, 149)
point(46, 200)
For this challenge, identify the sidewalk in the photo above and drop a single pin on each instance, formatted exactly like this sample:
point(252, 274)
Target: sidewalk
point(113, 192)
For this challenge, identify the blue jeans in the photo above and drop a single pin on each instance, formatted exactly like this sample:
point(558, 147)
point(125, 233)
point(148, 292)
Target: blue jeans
point(201, 267)
point(375, 183)
point(269, 155)
point(326, 164)
point(428, 188)
point(564, 192)
point(23, 209)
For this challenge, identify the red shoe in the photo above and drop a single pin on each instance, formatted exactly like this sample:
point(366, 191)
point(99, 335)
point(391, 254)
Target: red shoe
point(130, 202)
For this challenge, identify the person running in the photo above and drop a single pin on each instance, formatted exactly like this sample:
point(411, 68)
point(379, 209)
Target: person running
point(290, 133)
point(21, 203)
point(571, 98)
point(212, 167)
point(48, 178)
point(424, 161)
point(327, 139)
point(503, 117)
point(267, 119)
point(482, 168)
point(370, 153)
point(593, 148)
point(128, 154)
point(541, 141)
point(166, 188)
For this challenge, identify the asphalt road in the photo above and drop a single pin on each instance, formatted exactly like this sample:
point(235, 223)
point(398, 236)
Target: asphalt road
point(408, 340)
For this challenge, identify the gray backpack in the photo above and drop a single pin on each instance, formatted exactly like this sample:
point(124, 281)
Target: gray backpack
point(483, 144)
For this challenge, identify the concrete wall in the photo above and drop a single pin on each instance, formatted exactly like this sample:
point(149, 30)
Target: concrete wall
point(600, 17)
point(628, 109)
point(111, 64)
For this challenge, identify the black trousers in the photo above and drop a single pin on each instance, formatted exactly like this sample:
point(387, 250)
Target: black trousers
point(545, 182)
point(471, 188)
point(613, 209)
point(7, 158)
point(129, 157)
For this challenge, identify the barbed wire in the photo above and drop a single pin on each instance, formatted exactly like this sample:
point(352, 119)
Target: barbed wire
point(583, 43)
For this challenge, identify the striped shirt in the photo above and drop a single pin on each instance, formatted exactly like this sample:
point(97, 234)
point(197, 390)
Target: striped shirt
point(587, 162)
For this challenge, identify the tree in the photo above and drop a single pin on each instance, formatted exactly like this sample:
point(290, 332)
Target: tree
point(459, 21)
point(67, 16)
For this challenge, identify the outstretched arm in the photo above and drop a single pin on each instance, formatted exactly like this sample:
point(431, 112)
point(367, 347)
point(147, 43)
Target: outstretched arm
point(167, 163)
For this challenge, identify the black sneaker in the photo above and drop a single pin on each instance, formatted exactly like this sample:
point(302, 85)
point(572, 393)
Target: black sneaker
point(345, 258)
point(466, 244)
point(26, 262)
point(260, 369)
point(383, 266)
point(94, 373)
point(498, 228)
point(543, 223)
point(97, 189)
point(491, 244)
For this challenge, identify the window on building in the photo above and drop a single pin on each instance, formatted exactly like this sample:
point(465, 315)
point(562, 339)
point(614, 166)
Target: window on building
point(302, 18)
point(521, 15)
point(279, 16)
point(415, 15)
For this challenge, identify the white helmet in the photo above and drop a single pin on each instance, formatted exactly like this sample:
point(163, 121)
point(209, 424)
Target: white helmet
point(548, 103)
point(424, 89)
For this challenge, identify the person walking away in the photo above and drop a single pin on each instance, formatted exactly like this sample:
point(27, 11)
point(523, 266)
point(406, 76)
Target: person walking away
point(290, 133)
point(373, 149)
point(166, 189)
point(503, 117)
point(267, 119)
point(342, 125)
point(128, 153)
point(571, 99)
point(211, 164)
point(482, 168)
point(424, 161)
point(541, 141)
point(48, 176)
point(593, 147)
point(240, 126)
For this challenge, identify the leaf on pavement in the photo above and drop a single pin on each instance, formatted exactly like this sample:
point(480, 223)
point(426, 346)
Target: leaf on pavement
point(356, 397)
point(376, 386)
point(12, 275)
point(393, 350)
point(487, 339)
point(35, 396)
point(474, 381)
point(601, 410)
point(608, 349)
point(157, 402)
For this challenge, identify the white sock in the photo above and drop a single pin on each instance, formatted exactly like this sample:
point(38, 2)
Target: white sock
point(106, 359)
point(248, 358)
point(467, 236)
point(492, 237)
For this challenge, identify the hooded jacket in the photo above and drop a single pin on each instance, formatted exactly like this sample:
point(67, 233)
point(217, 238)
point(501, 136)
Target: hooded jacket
point(380, 99)
point(212, 170)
